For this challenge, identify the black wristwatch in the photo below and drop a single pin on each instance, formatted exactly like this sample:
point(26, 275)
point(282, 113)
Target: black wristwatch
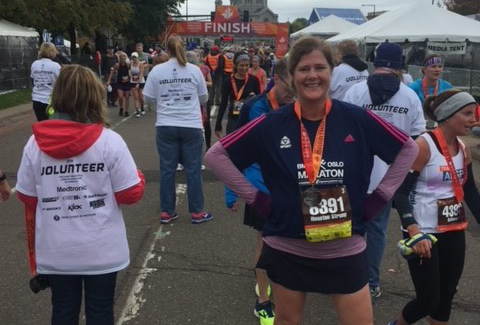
point(3, 177)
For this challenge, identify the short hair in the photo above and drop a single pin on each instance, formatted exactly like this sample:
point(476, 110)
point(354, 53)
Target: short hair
point(79, 93)
point(281, 68)
point(47, 50)
point(191, 57)
point(306, 45)
point(347, 47)
point(432, 102)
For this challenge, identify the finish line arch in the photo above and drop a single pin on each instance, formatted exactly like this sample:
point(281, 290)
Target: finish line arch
point(227, 22)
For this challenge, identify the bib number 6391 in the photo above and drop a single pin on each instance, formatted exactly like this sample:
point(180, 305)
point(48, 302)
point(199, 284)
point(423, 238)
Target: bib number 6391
point(328, 206)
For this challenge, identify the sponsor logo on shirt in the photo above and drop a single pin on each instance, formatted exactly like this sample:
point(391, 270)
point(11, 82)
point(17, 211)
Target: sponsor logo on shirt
point(61, 189)
point(446, 177)
point(97, 204)
point(349, 139)
point(73, 207)
point(285, 143)
point(50, 199)
point(331, 172)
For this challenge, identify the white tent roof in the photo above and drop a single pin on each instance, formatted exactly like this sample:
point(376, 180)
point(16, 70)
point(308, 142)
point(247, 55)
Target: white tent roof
point(10, 29)
point(331, 25)
point(415, 23)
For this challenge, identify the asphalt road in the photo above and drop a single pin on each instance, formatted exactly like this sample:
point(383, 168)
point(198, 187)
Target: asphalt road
point(183, 273)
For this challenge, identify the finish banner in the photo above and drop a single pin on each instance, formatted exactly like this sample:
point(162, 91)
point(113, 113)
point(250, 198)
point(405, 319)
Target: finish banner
point(227, 22)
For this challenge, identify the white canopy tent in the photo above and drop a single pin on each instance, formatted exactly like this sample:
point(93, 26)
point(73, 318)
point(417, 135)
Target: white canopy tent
point(10, 29)
point(326, 27)
point(415, 23)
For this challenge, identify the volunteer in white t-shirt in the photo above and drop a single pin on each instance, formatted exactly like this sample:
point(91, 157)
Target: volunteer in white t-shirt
point(73, 175)
point(177, 89)
point(44, 73)
point(386, 96)
point(349, 72)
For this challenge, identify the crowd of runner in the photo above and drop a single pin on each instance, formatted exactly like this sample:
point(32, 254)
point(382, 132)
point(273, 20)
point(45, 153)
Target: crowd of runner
point(319, 149)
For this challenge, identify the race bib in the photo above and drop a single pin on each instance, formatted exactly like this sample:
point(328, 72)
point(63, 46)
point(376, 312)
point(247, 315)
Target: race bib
point(237, 106)
point(327, 213)
point(451, 215)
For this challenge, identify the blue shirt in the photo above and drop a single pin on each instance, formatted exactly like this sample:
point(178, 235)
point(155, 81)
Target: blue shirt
point(417, 86)
point(352, 137)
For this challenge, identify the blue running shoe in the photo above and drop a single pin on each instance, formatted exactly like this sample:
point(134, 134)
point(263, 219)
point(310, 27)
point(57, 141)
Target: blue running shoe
point(201, 217)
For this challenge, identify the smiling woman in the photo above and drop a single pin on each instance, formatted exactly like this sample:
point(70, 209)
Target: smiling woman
point(315, 217)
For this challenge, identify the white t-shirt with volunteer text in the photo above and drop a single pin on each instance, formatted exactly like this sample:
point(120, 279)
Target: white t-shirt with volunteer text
point(176, 90)
point(345, 76)
point(79, 226)
point(404, 110)
point(44, 72)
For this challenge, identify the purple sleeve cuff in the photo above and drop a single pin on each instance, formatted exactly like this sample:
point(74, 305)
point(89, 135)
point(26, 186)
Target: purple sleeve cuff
point(373, 205)
point(262, 204)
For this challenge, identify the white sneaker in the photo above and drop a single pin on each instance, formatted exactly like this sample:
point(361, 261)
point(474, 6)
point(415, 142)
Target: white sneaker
point(179, 167)
point(203, 167)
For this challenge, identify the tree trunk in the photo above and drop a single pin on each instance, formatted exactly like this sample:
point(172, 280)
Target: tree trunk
point(73, 39)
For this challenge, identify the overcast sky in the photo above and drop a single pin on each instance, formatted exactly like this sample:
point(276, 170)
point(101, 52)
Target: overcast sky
point(293, 9)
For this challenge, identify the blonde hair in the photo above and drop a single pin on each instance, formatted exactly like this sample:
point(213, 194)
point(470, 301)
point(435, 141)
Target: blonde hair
point(191, 57)
point(47, 50)
point(81, 94)
point(176, 49)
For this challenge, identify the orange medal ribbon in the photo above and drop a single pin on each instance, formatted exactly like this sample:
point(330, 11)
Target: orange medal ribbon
point(236, 93)
point(457, 187)
point(312, 157)
point(273, 100)
point(425, 88)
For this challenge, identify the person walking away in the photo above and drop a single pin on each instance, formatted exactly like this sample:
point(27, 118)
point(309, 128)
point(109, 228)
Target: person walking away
point(44, 74)
point(430, 203)
point(315, 217)
point(212, 61)
point(122, 71)
point(384, 95)
point(74, 174)
point(137, 83)
point(177, 89)
point(146, 61)
point(235, 90)
point(350, 71)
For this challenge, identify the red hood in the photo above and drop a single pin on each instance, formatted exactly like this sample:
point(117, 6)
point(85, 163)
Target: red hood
point(62, 139)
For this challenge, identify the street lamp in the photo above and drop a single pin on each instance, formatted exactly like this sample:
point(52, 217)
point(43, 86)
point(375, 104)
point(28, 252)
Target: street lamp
point(368, 5)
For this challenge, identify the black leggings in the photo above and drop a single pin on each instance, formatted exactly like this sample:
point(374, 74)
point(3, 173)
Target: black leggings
point(436, 278)
point(40, 110)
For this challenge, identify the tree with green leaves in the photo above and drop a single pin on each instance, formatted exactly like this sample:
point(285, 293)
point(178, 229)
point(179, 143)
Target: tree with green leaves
point(68, 16)
point(298, 24)
point(464, 7)
point(149, 18)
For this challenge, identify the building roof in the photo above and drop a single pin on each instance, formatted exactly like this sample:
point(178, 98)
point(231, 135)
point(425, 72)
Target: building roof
point(351, 15)
point(10, 29)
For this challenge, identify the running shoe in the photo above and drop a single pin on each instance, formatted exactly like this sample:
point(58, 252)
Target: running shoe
point(257, 290)
point(179, 167)
point(201, 217)
point(137, 114)
point(120, 112)
point(166, 217)
point(142, 112)
point(375, 292)
point(126, 114)
point(264, 311)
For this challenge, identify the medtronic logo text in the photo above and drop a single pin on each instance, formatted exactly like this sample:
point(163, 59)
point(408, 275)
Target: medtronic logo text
point(285, 143)
point(175, 81)
point(72, 168)
point(71, 188)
